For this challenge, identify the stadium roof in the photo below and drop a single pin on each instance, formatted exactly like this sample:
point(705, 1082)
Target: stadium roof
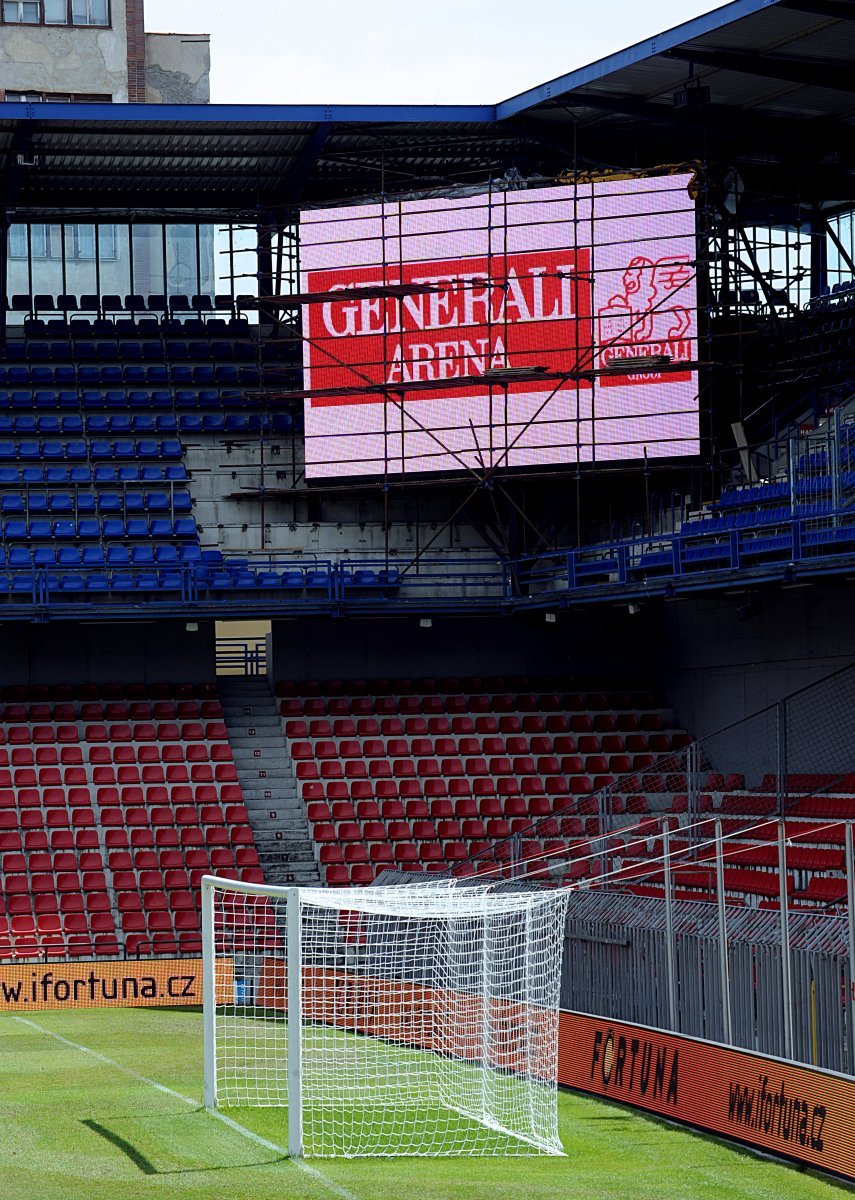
point(780, 101)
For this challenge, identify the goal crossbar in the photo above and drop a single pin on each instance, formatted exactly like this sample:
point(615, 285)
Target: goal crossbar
point(416, 1019)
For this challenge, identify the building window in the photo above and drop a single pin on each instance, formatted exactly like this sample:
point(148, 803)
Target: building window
point(45, 242)
point(89, 12)
point(21, 12)
point(57, 98)
point(56, 12)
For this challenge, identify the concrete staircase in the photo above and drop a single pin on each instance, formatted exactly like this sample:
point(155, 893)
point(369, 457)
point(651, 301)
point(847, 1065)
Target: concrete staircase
point(277, 815)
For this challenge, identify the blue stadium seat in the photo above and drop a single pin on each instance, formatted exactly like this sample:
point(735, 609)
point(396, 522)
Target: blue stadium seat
point(80, 475)
point(161, 399)
point(12, 504)
point(89, 529)
point(104, 474)
point(118, 556)
point(97, 424)
point(41, 376)
point(71, 424)
point(144, 423)
point(40, 530)
point(170, 581)
point(136, 528)
point(175, 473)
point(134, 502)
point(122, 582)
point(293, 579)
point(121, 423)
point(92, 556)
point(64, 376)
point(166, 424)
point(113, 528)
point(128, 474)
point(184, 527)
point(142, 556)
point(124, 448)
point(162, 528)
point(115, 400)
point(9, 476)
point(157, 502)
point(31, 475)
point(61, 502)
point(97, 583)
point(109, 502)
point(213, 423)
point(157, 373)
point(68, 400)
point(7, 426)
point(37, 504)
point(61, 529)
point(21, 400)
point(166, 555)
point(169, 448)
point(182, 502)
point(20, 556)
point(69, 556)
point(190, 422)
point(85, 503)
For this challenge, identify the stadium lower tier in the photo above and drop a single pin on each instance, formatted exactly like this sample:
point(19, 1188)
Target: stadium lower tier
point(115, 801)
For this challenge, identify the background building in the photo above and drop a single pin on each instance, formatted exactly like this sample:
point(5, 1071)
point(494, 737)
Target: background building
point(90, 51)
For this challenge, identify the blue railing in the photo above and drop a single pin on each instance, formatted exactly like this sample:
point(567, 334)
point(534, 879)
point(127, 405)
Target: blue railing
point(704, 555)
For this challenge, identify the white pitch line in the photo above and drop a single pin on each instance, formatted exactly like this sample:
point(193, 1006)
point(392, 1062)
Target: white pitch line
point(313, 1172)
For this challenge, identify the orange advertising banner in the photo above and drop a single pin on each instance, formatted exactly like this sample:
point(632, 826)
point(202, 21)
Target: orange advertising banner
point(800, 1112)
point(160, 982)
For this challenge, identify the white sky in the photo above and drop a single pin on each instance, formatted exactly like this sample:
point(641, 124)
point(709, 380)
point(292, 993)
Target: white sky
point(406, 51)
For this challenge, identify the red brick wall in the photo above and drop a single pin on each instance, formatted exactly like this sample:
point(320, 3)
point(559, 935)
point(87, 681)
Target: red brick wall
point(136, 51)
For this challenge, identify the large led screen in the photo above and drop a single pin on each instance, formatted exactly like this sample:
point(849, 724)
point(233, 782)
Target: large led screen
point(559, 285)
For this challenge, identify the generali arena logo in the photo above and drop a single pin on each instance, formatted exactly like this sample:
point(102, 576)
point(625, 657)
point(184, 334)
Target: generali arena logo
point(649, 314)
point(515, 310)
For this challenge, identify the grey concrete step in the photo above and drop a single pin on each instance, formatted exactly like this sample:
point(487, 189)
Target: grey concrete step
point(282, 832)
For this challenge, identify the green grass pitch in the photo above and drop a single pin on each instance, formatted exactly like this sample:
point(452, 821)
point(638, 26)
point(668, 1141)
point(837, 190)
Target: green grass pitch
point(72, 1125)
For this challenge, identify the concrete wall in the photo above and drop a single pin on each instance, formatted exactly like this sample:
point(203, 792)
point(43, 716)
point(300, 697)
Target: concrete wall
point(66, 59)
point(717, 668)
point(599, 644)
point(147, 652)
point(177, 68)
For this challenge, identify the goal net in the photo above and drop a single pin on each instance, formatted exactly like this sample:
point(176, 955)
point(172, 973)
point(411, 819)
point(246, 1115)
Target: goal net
point(410, 1020)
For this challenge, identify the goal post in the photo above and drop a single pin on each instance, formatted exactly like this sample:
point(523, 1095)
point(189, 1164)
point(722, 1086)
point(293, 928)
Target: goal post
point(419, 1019)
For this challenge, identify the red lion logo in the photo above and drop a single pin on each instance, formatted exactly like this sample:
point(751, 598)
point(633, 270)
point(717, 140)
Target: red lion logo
point(641, 313)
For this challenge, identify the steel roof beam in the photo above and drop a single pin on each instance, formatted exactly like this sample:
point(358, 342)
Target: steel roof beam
point(827, 73)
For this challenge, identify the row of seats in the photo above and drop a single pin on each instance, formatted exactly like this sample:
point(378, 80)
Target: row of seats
point(22, 693)
point(95, 557)
point(114, 377)
point(79, 450)
point(223, 349)
point(33, 503)
point(133, 302)
point(35, 328)
point(85, 475)
point(507, 713)
point(145, 423)
point(485, 734)
point(92, 529)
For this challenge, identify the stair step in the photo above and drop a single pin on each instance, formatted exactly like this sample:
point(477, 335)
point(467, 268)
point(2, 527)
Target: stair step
point(285, 844)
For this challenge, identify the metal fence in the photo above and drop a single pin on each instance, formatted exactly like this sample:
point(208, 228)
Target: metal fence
point(776, 983)
point(727, 835)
